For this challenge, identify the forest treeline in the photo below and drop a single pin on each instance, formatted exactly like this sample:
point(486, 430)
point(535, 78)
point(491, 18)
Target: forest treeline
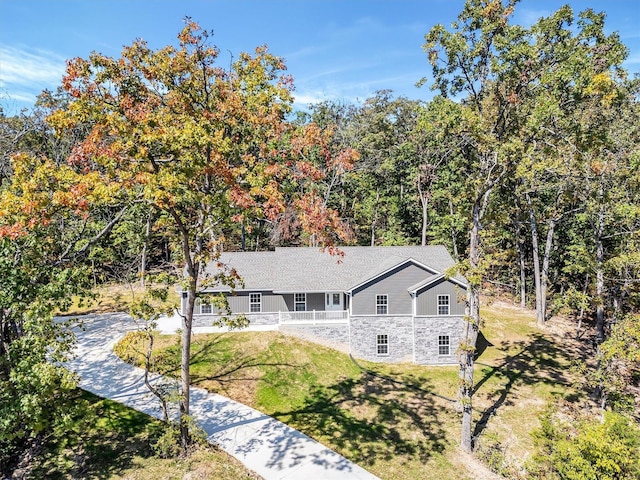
point(525, 164)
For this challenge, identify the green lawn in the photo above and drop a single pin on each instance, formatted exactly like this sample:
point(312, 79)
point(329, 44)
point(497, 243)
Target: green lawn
point(398, 421)
point(113, 298)
point(107, 440)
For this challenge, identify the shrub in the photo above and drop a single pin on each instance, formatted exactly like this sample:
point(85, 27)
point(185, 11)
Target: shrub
point(587, 449)
point(131, 348)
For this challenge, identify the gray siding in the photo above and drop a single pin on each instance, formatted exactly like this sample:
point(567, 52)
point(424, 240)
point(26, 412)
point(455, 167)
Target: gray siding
point(427, 301)
point(315, 301)
point(395, 284)
point(271, 302)
point(239, 302)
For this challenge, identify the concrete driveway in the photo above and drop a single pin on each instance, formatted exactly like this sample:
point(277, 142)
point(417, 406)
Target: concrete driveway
point(268, 447)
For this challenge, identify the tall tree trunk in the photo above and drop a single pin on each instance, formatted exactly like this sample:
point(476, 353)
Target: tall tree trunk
point(522, 266)
point(599, 232)
point(425, 218)
point(185, 374)
point(192, 270)
point(454, 238)
point(424, 194)
point(536, 262)
point(374, 220)
point(470, 332)
point(544, 277)
point(145, 248)
point(581, 314)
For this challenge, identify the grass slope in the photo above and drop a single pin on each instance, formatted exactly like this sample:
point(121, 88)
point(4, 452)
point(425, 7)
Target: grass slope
point(106, 440)
point(398, 421)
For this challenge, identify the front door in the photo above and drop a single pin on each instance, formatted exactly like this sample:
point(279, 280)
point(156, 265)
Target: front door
point(333, 301)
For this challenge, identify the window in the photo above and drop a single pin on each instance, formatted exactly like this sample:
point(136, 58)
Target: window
point(444, 345)
point(382, 304)
point(300, 302)
point(255, 302)
point(382, 344)
point(443, 304)
point(206, 308)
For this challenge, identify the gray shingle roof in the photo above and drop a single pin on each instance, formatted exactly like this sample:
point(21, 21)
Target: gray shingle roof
point(307, 269)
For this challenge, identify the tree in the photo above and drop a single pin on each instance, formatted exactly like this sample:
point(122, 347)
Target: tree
point(468, 61)
point(610, 192)
point(618, 372)
point(565, 65)
point(204, 146)
point(532, 99)
point(380, 193)
point(37, 281)
point(585, 448)
point(437, 146)
point(34, 389)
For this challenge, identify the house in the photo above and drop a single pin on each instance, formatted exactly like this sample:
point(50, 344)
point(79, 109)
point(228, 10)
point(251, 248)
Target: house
point(385, 304)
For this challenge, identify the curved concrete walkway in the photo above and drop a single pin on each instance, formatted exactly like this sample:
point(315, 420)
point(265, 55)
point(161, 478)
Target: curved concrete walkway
point(263, 444)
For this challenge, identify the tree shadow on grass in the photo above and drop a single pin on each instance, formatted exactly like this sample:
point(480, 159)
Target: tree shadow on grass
point(537, 360)
point(372, 418)
point(222, 364)
point(102, 441)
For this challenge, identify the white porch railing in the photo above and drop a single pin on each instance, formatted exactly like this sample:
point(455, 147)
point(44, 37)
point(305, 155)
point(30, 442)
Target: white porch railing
point(313, 317)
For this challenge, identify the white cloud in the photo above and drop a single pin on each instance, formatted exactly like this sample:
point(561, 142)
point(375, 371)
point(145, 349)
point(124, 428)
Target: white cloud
point(307, 98)
point(24, 73)
point(24, 67)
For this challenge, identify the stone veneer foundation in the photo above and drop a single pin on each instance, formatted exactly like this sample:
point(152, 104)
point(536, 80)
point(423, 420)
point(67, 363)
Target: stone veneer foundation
point(410, 339)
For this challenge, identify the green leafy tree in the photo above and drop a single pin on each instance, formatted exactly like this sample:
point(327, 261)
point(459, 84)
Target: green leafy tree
point(467, 62)
point(587, 449)
point(618, 373)
point(202, 145)
point(566, 66)
point(380, 193)
point(37, 280)
point(439, 182)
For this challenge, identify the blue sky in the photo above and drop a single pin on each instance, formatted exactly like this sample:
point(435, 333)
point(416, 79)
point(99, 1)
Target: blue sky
point(341, 50)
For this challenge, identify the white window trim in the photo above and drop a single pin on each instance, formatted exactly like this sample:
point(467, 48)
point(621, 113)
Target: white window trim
point(197, 310)
point(448, 305)
point(379, 344)
point(296, 302)
point(259, 303)
point(386, 304)
point(205, 304)
point(448, 345)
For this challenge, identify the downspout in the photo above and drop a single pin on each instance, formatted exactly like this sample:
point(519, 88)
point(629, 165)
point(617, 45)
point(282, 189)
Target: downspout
point(349, 313)
point(413, 322)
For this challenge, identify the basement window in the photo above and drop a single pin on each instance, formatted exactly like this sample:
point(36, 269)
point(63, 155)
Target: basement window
point(444, 345)
point(382, 344)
